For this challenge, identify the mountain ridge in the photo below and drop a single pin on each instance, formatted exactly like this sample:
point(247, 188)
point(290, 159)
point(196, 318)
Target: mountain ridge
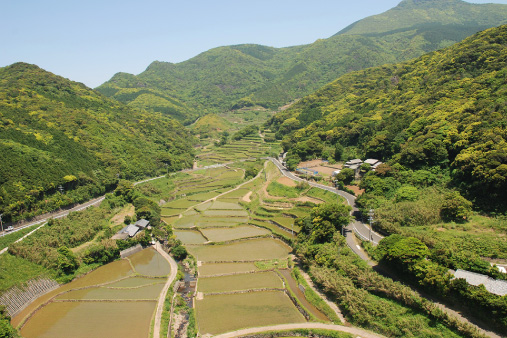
point(216, 80)
point(59, 133)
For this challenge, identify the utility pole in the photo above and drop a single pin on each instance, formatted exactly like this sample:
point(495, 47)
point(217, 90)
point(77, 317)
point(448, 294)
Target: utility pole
point(1, 224)
point(370, 218)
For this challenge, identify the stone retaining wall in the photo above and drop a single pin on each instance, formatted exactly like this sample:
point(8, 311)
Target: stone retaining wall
point(131, 251)
point(17, 298)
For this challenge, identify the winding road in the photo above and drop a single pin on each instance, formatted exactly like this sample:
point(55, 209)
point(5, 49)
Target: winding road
point(356, 226)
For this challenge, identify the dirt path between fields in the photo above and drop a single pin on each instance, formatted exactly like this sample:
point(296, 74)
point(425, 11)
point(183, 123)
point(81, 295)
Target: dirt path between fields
point(163, 293)
point(352, 330)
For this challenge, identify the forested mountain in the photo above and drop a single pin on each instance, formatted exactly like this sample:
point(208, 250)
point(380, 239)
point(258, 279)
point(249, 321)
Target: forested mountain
point(61, 142)
point(235, 76)
point(445, 111)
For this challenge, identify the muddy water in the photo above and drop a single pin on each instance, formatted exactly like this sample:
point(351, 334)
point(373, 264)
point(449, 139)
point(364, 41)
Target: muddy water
point(230, 234)
point(250, 250)
point(190, 237)
point(301, 296)
point(213, 269)
point(115, 302)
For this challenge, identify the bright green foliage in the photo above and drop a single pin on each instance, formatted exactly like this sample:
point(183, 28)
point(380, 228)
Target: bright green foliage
point(371, 300)
point(323, 222)
point(243, 75)
point(6, 330)
point(455, 207)
point(210, 125)
point(407, 250)
point(179, 252)
point(442, 113)
point(346, 175)
point(67, 262)
point(63, 143)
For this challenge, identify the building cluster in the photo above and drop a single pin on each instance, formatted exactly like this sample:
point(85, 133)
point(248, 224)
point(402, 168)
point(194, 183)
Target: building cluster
point(132, 229)
point(356, 165)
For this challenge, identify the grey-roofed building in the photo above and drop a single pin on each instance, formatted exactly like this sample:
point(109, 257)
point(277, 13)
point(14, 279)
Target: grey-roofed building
point(132, 230)
point(371, 161)
point(497, 287)
point(142, 223)
point(353, 162)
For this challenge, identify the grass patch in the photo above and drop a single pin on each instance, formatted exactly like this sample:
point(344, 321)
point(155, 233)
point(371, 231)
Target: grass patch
point(8, 239)
point(19, 271)
point(324, 195)
point(281, 190)
point(272, 264)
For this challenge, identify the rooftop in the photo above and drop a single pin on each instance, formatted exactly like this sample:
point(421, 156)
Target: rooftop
point(142, 223)
point(497, 287)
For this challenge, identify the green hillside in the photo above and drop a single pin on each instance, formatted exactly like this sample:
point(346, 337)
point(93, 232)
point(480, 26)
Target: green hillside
point(61, 142)
point(446, 110)
point(209, 125)
point(234, 76)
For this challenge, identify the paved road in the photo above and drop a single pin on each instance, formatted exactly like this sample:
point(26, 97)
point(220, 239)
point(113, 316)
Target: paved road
point(360, 228)
point(352, 330)
point(57, 214)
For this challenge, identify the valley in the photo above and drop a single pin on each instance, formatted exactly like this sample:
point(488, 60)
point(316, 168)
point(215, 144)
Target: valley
point(352, 187)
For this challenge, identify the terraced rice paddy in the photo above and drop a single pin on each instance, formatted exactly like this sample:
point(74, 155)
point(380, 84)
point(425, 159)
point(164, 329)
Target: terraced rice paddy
point(249, 250)
point(214, 269)
point(190, 237)
point(259, 280)
point(116, 300)
point(230, 234)
point(222, 313)
point(237, 256)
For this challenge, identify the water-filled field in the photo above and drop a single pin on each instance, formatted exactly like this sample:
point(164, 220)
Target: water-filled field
point(91, 319)
point(190, 237)
point(213, 269)
point(258, 280)
point(111, 301)
point(229, 234)
point(223, 313)
point(248, 250)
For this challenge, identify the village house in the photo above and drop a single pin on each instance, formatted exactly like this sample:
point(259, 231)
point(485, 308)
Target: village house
point(132, 229)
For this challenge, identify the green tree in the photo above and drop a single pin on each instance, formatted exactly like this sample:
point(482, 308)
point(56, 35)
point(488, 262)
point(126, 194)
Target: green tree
point(179, 252)
point(67, 262)
point(346, 175)
point(407, 251)
point(455, 208)
point(338, 152)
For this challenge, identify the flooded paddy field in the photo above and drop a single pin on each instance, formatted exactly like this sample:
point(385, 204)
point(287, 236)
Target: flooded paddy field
point(213, 269)
point(258, 280)
point(223, 313)
point(248, 250)
point(116, 300)
point(91, 319)
point(191, 237)
point(230, 234)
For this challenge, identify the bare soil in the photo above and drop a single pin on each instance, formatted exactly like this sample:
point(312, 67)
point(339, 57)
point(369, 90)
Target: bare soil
point(355, 189)
point(119, 217)
point(286, 181)
point(307, 199)
point(246, 198)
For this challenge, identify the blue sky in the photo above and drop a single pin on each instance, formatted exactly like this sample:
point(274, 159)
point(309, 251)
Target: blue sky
point(89, 41)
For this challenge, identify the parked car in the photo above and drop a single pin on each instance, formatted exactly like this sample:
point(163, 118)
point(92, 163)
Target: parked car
point(10, 228)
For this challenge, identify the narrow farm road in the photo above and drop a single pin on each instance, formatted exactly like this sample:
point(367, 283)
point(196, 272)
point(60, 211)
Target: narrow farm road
point(163, 293)
point(252, 331)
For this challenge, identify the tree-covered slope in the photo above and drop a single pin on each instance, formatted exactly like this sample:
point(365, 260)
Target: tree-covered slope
point(227, 77)
point(447, 109)
point(55, 132)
